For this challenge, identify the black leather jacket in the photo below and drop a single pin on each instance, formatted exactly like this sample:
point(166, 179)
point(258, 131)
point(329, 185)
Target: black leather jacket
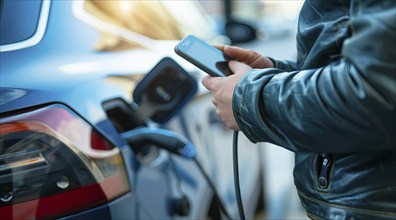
point(334, 107)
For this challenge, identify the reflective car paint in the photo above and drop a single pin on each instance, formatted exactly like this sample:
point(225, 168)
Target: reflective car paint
point(63, 68)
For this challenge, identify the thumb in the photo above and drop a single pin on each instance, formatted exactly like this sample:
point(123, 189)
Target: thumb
point(238, 68)
point(209, 82)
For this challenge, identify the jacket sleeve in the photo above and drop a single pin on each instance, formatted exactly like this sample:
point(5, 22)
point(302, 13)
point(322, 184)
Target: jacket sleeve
point(284, 65)
point(347, 106)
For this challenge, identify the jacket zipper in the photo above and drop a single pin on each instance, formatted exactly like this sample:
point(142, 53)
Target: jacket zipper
point(323, 180)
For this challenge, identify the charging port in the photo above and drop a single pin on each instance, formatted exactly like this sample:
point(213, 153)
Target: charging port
point(121, 114)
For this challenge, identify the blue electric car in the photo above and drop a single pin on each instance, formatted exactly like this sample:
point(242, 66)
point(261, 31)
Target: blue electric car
point(86, 131)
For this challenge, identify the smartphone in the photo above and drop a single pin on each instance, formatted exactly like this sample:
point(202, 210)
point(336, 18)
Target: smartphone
point(204, 56)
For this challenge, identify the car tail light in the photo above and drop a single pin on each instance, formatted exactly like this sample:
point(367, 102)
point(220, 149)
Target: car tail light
point(53, 163)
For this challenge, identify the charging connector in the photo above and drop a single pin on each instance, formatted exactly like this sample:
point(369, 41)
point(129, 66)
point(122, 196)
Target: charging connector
point(162, 138)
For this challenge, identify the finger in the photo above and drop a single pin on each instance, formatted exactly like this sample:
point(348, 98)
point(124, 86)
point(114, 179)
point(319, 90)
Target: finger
point(236, 53)
point(206, 81)
point(250, 57)
point(238, 67)
point(214, 102)
point(220, 47)
point(210, 82)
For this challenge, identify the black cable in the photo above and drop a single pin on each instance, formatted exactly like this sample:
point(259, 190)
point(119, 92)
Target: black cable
point(211, 185)
point(236, 177)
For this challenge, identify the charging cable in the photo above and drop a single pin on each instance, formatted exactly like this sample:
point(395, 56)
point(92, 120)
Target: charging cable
point(173, 143)
point(211, 185)
point(236, 176)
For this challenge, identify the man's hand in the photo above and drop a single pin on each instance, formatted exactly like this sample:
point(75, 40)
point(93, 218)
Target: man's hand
point(250, 57)
point(222, 89)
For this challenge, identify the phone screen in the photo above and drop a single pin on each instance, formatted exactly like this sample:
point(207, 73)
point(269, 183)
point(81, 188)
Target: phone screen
point(204, 56)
